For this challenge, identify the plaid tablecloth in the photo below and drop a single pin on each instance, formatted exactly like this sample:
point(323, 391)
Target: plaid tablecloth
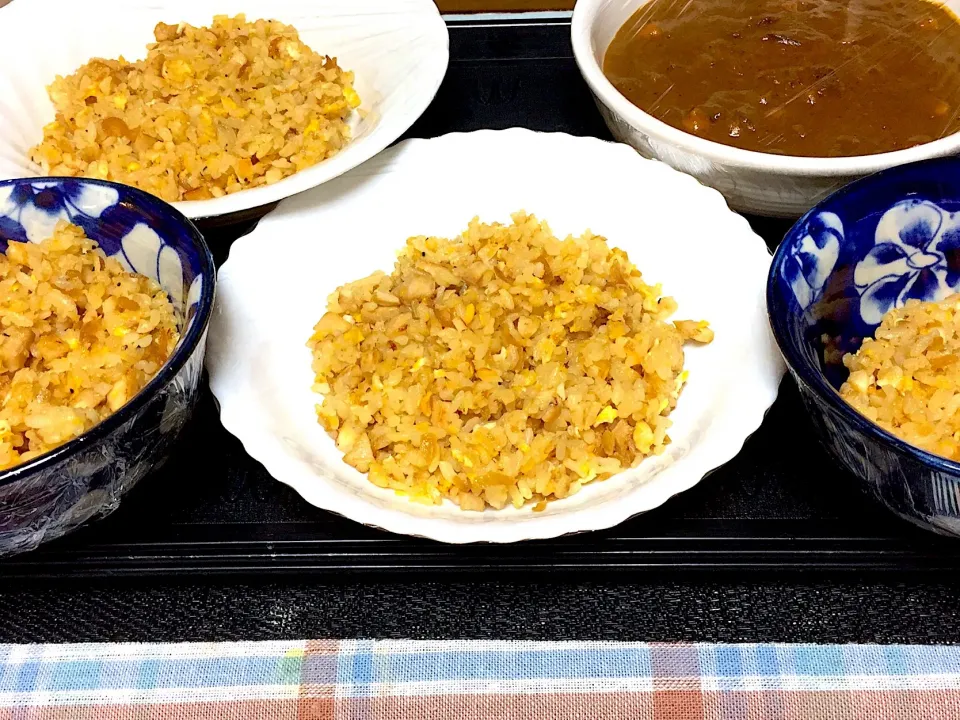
point(403, 680)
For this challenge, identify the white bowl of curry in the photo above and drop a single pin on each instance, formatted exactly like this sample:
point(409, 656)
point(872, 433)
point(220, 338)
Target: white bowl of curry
point(775, 103)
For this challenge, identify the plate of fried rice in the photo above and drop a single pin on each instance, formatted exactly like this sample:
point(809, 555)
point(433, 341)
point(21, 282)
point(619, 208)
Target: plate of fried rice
point(495, 336)
point(216, 108)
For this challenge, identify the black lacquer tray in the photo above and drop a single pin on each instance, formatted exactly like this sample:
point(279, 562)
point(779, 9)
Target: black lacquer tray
point(781, 505)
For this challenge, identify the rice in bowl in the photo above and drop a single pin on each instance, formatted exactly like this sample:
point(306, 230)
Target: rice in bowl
point(80, 337)
point(209, 111)
point(502, 367)
point(906, 379)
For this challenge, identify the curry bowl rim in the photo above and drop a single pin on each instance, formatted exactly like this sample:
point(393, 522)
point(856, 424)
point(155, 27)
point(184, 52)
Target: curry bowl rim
point(584, 18)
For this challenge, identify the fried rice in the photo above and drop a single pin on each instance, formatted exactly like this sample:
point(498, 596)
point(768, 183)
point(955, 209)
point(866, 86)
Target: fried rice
point(79, 337)
point(209, 111)
point(502, 367)
point(907, 377)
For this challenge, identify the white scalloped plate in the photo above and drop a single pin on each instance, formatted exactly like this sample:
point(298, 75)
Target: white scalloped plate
point(274, 287)
point(398, 49)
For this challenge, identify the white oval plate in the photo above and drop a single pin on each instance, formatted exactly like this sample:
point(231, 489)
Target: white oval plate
point(274, 286)
point(398, 50)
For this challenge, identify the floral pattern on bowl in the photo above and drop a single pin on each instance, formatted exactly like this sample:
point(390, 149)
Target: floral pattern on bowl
point(30, 210)
point(85, 478)
point(916, 256)
point(883, 240)
point(808, 268)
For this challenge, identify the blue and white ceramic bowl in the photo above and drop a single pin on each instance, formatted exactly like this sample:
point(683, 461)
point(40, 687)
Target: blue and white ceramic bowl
point(54, 493)
point(868, 248)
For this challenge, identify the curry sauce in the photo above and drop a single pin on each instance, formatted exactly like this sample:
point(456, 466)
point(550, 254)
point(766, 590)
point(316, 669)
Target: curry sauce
point(793, 77)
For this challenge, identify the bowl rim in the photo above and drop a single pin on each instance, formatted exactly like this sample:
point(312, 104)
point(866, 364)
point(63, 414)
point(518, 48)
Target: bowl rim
point(174, 364)
point(812, 377)
point(584, 15)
